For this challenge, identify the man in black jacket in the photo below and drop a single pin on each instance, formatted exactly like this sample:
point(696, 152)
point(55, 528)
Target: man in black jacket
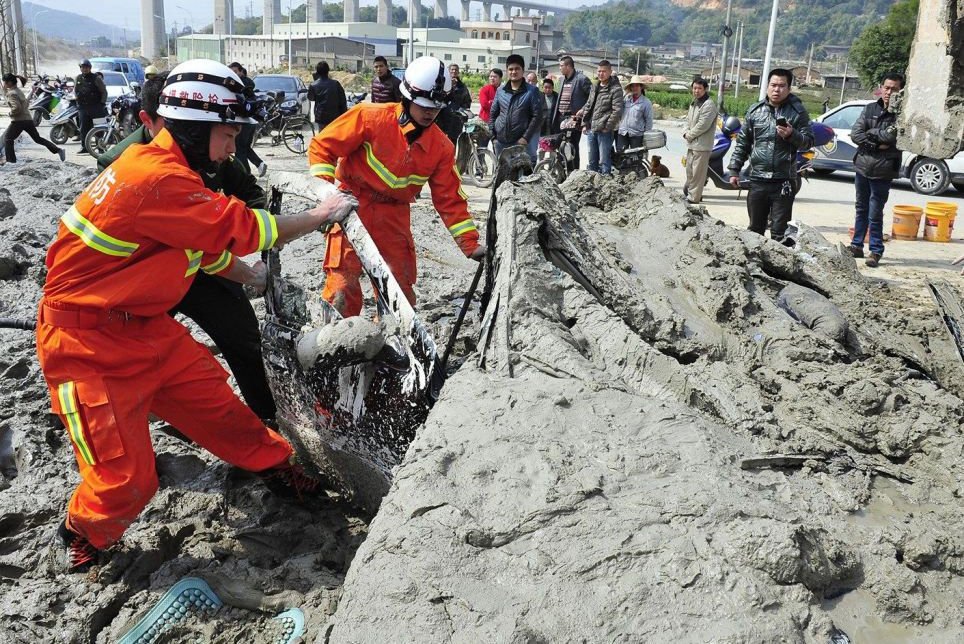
point(877, 163)
point(91, 96)
point(218, 305)
point(573, 94)
point(773, 130)
point(459, 98)
point(328, 96)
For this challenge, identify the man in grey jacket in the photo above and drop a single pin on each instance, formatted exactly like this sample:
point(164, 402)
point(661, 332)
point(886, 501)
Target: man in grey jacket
point(877, 163)
point(700, 128)
point(773, 130)
point(600, 118)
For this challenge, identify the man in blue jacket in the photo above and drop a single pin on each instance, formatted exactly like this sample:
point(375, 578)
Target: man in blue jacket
point(517, 111)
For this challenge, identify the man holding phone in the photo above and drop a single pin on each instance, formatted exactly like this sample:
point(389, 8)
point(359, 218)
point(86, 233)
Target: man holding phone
point(773, 130)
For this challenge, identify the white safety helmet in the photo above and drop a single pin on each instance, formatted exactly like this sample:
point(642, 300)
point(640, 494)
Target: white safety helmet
point(205, 90)
point(426, 83)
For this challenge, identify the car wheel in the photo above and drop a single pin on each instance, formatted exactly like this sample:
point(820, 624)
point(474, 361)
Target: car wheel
point(929, 176)
point(959, 186)
point(822, 172)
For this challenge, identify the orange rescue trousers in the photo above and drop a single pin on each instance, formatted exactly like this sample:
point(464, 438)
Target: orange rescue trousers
point(106, 373)
point(389, 224)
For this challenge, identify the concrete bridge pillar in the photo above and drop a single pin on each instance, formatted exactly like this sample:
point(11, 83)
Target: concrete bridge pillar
point(351, 11)
point(441, 9)
point(487, 11)
point(384, 12)
point(465, 10)
point(508, 11)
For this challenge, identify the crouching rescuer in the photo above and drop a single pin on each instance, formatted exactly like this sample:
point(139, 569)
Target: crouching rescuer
point(384, 154)
point(126, 253)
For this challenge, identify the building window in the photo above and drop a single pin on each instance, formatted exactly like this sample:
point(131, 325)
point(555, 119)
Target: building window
point(502, 59)
point(448, 56)
point(483, 35)
point(506, 37)
point(527, 38)
point(464, 58)
point(475, 33)
point(498, 36)
point(481, 59)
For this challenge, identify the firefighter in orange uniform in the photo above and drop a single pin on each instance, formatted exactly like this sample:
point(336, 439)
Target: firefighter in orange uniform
point(384, 154)
point(126, 253)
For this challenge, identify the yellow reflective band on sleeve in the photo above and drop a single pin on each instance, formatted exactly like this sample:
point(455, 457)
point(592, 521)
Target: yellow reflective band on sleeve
point(462, 227)
point(267, 229)
point(459, 177)
point(219, 264)
point(386, 175)
point(67, 393)
point(193, 261)
point(322, 170)
point(95, 238)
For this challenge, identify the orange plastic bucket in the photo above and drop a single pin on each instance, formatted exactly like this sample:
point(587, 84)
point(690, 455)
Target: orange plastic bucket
point(939, 221)
point(906, 222)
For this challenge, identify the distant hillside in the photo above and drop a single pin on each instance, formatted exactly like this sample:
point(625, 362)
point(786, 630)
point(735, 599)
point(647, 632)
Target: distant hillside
point(654, 22)
point(75, 27)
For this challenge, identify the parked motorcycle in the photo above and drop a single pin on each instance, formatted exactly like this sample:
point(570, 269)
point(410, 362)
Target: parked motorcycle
point(355, 98)
point(121, 122)
point(65, 124)
point(728, 129)
point(44, 98)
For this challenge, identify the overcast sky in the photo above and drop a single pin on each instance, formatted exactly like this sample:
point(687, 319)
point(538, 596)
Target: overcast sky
point(200, 13)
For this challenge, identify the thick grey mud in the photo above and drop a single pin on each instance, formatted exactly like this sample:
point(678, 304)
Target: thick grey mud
point(652, 444)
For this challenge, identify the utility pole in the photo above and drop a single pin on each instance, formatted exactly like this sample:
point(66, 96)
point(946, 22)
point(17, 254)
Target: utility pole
point(637, 62)
point(765, 74)
point(726, 32)
point(809, 63)
point(843, 85)
point(739, 63)
point(307, 56)
point(411, 32)
point(290, 52)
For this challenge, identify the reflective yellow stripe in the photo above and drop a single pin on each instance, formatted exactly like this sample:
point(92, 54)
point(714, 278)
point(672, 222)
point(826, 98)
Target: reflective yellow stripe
point(459, 177)
point(462, 227)
point(94, 238)
point(322, 170)
point(67, 394)
point(219, 264)
point(193, 261)
point(386, 175)
point(267, 229)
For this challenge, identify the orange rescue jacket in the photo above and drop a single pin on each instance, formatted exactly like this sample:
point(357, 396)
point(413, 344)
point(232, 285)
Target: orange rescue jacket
point(136, 236)
point(377, 161)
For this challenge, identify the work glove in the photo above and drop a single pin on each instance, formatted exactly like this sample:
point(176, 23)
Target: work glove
point(478, 254)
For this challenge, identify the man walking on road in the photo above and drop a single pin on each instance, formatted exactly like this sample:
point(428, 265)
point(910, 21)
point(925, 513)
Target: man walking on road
point(773, 130)
point(700, 128)
point(328, 96)
point(877, 163)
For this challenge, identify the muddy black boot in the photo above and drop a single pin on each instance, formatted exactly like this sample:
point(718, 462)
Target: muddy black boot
point(290, 481)
point(81, 554)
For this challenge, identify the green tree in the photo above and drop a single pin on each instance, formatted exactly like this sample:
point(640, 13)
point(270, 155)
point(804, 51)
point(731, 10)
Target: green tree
point(636, 60)
point(885, 46)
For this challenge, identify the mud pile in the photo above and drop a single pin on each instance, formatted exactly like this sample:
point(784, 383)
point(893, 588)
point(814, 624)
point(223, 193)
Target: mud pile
point(649, 447)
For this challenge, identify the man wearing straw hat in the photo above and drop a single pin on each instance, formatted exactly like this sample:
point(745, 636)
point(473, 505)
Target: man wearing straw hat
point(877, 164)
point(637, 115)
